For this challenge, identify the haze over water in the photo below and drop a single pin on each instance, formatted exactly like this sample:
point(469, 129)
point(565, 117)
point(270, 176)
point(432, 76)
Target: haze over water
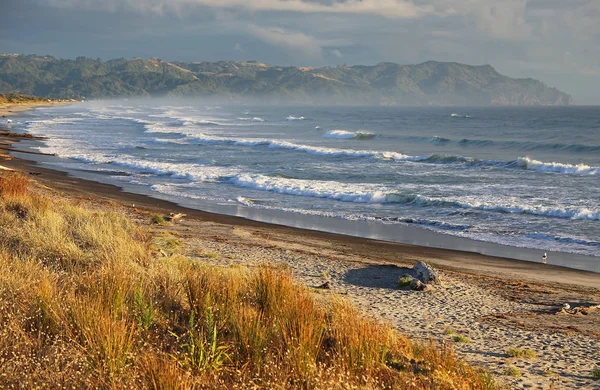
point(524, 177)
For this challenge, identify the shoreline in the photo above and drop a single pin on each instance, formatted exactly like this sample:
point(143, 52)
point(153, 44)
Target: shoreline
point(497, 303)
point(386, 251)
point(448, 258)
point(394, 233)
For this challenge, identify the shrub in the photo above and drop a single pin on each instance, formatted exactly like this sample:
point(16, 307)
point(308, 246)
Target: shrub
point(461, 339)
point(404, 281)
point(513, 371)
point(523, 353)
point(13, 185)
point(158, 219)
point(596, 373)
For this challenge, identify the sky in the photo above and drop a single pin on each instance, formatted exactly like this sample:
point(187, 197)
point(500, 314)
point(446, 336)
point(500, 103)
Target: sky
point(555, 41)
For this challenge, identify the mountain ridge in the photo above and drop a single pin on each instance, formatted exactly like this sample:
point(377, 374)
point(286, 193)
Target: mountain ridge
point(386, 83)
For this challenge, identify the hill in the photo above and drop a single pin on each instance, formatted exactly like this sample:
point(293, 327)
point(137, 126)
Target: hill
point(429, 83)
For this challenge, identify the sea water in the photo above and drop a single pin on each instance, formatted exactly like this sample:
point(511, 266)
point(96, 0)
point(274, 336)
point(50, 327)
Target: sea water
point(524, 177)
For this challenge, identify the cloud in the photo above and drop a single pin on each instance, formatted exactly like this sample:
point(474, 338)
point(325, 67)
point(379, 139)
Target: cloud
point(396, 9)
point(296, 44)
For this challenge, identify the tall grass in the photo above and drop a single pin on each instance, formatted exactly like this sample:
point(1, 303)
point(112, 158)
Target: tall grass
point(86, 303)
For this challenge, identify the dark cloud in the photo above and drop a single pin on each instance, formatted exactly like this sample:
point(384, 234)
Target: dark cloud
point(555, 41)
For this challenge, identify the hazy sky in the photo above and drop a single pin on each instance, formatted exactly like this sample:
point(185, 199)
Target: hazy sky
point(556, 41)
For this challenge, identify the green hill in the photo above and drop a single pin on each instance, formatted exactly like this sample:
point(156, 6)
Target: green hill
point(429, 83)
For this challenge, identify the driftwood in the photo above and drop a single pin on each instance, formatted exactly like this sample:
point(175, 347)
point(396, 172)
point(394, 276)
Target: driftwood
point(579, 310)
point(174, 217)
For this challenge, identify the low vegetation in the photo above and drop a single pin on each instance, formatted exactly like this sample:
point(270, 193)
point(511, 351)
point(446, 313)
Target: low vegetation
point(86, 302)
point(16, 98)
point(158, 219)
point(521, 353)
point(404, 281)
point(596, 374)
point(461, 339)
point(513, 371)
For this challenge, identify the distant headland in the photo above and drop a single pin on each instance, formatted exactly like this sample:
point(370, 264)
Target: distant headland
point(427, 84)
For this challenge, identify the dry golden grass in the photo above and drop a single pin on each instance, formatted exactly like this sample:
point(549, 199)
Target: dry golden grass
point(13, 184)
point(85, 302)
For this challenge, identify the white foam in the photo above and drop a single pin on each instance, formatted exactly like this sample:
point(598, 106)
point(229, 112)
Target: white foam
point(359, 193)
point(344, 134)
point(554, 167)
point(316, 150)
point(182, 191)
point(253, 119)
point(455, 115)
point(294, 118)
point(244, 201)
point(371, 193)
point(582, 213)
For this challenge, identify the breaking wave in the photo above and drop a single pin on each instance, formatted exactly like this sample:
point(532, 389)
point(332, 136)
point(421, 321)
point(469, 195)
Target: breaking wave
point(564, 240)
point(554, 167)
point(520, 163)
point(520, 145)
point(343, 134)
point(253, 119)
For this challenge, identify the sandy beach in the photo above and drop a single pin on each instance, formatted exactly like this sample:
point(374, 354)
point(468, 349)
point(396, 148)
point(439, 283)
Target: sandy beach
point(497, 304)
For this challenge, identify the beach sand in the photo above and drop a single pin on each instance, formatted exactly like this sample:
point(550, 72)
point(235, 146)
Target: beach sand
point(496, 303)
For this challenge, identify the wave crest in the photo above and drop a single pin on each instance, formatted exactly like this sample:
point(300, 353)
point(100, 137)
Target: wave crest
point(554, 167)
point(344, 134)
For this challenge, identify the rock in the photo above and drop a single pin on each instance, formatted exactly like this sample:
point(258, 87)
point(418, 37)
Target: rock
point(425, 273)
point(417, 285)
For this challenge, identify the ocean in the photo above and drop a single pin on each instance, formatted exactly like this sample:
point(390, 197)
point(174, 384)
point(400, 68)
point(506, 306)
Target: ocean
point(520, 177)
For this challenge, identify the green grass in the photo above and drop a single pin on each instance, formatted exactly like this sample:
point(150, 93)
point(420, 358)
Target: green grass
point(158, 219)
point(461, 339)
point(521, 353)
point(596, 374)
point(449, 331)
point(173, 243)
point(404, 281)
point(513, 371)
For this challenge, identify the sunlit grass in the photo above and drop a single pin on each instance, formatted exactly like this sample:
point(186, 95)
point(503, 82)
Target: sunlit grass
point(86, 302)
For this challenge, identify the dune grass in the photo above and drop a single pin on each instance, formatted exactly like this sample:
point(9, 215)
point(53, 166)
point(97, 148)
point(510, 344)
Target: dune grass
point(521, 353)
point(86, 301)
point(459, 338)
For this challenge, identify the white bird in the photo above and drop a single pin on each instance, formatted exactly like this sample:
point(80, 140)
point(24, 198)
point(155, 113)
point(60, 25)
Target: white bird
point(566, 306)
point(544, 258)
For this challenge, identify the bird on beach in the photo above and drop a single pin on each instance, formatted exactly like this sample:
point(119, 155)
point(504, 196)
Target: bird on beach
point(544, 257)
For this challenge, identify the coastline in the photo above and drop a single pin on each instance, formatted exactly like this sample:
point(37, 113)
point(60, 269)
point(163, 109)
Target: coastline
point(480, 258)
point(372, 250)
point(498, 303)
point(10, 109)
